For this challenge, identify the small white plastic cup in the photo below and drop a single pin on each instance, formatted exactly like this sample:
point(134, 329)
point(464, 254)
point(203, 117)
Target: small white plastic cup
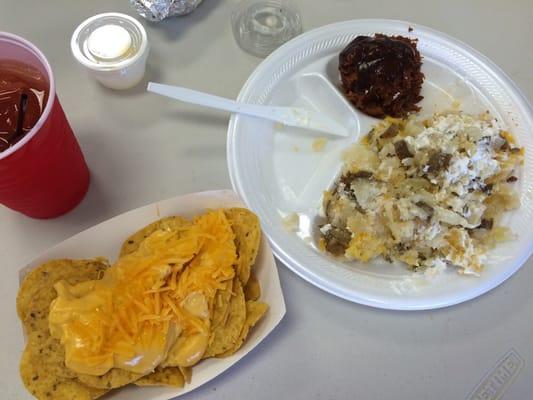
point(122, 72)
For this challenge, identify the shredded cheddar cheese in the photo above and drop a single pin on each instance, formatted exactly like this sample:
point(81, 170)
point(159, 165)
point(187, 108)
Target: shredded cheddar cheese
point(148, 299)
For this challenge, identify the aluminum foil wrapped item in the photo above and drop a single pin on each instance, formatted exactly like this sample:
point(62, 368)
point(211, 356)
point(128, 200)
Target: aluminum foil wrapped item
point(158, 10)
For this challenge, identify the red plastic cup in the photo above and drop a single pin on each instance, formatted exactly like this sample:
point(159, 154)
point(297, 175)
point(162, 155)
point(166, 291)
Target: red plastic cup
point(44, 175)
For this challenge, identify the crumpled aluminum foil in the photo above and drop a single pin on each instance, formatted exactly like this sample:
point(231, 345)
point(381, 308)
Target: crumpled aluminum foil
point(158, 10)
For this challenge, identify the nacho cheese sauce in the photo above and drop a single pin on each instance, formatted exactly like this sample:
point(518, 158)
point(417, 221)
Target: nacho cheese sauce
point(150, 303)
point(425, 192)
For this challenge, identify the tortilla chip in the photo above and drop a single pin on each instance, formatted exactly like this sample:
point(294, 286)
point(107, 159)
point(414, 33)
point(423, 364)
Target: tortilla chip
point(44, 374)
point(43, 367)
point(37, 290)
point(133, 242)
point(170, 376)
point(221, 302)
point(41, 282)
point(114, 378)
point(187, 373)
point(245, 226)
point(225, 336)
point(254, 312)
point(252, 290)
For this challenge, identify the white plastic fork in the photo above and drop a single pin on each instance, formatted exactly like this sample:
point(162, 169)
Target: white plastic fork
point(291, 116)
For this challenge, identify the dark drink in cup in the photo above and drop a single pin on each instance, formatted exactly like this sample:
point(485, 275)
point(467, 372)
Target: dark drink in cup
point(43, 173)
point(23, 94)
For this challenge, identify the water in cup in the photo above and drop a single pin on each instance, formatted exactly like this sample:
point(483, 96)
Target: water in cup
point(262, 26)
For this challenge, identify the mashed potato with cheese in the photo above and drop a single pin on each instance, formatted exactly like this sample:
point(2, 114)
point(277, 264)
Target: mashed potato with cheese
point(425, 192)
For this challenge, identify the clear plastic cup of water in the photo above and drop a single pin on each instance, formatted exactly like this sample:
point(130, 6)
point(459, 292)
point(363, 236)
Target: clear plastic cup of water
point(261, 26)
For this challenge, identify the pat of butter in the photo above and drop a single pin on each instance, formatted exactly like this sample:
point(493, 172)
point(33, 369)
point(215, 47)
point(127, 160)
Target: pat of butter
point(108, 42)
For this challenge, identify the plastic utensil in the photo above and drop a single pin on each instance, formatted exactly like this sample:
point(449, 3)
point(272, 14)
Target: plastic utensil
point(291, 116)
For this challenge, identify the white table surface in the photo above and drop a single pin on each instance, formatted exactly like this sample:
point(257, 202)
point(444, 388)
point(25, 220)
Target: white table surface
point(142, 148)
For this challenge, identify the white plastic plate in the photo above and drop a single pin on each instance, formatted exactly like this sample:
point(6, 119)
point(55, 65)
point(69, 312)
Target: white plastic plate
point(105, 240)
point(276, 172)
